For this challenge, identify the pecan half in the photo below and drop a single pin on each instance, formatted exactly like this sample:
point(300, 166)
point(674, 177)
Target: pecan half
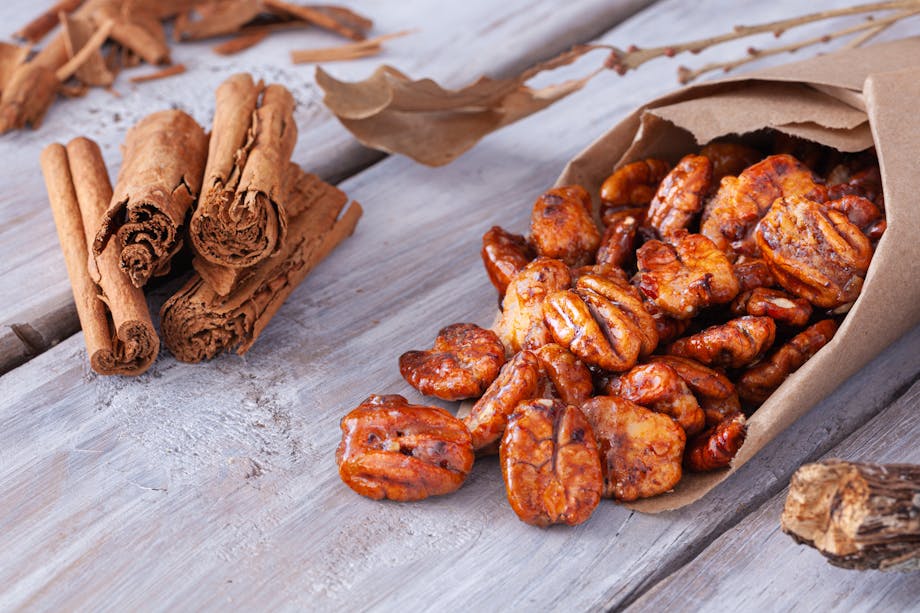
point(734, 344)
point(633, 185)
point(714, 391)
point(619, 240)
point(561, 226)
point(715, 448)
point(569, 378)
point(774, 303)
point(521, 325)
point(680, 196)
point(504, 255)
point(729, 158)
point(658, 387)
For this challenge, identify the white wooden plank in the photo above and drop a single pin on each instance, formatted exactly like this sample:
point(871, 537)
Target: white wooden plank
point(455, 43)
point(755, 567)
point(203, 486)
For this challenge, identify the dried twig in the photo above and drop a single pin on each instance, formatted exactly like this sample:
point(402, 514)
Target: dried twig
point(36, 29)
point(169, 71)
point(350, 51)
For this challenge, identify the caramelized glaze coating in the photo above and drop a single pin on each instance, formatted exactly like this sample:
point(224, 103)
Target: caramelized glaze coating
point(752, 273)
point(860, 212)
point(396, 450)
point(734, 211)
point(729, 159)
point(685, 276)
point(715, 448)
point(521, 325)
point(658, 387)
point(633, 185)
point(774, 303)
point(714, 391)
point(667, 327)
point(568, 377)
point(759, 381)
point(464, 361)
point(813, 252)
point(504, 255)
point(561, 226)
point(518, 381)
point(640, 450)
point(602, 321)
point(734, 344)
point(618, 243)
point(862, 179)
point(680, 196)
point(550, 464)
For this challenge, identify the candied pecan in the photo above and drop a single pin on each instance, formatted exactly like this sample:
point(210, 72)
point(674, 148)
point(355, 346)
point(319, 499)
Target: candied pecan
point(619, 240)
point(729, 158)
point(860, 211)
point(633, 185)
point(561, 226)
point(640, 449)
point(813, 155)
point(568, 376)
point(658, 387)
point(759, 381)
point(734, 344)
point(685, 276)
point(715, 448)
point(752, 273)
point(464, 361)
point(714, 391)
point(730, 218)
point(518, 380)
point(813, 252)
point(504, 255)
point(680, 196)
point(866, 182)
point(396, 450)
point(602, 321)
point(521, 325)
point(550, 464)
point(773, 303)
point(667, 327)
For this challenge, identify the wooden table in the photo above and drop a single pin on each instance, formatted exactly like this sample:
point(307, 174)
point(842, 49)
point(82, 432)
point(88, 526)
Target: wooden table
point(213, 486)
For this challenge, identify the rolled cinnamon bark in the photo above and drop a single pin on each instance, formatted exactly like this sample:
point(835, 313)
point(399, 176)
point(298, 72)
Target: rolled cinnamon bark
point(198, 323)
point(240, 219)
point(160, 178)
point(119, 335)
point(32, 87)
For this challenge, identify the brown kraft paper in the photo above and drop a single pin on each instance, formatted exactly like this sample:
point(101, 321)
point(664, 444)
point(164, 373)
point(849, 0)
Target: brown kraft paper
point(240, 219)
point(850, 100)
point(160, 177)
point(198, 323)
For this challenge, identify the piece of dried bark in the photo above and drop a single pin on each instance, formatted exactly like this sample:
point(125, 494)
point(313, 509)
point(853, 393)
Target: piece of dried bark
point(169, 71)
point(36, 29)
point(160, 178)
point(32, 87)
point(432, 125)
point(240, 219)
point(11, 56)
point(117, 329)
point(88, 52)
point(351, 51)
point(860, 516)
point(212, 19)
point(78, 31)
point(198, 323)
point(136, 27)
point(324, 19)
point(240, 43)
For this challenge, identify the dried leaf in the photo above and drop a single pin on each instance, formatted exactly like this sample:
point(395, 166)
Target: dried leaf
point(432, 125)
point(351, 51)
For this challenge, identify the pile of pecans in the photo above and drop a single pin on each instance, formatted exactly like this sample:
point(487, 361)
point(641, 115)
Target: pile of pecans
point(626, 356)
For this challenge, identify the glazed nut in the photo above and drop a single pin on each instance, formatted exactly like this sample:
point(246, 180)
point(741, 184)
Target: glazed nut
point(561, 226)
point(714, 391)
point(861, 212)
point(640, 450)
point(521, 325)
point(658, 387)
point(715, 448)
point(504, 255)
point(567, 377)
point(685, 276)
point(734, 344)
point(518, 381)
point(602, 321)
point(550, 464)
point(729, 158)
point(773, 303)
point(813, 252)
point(396, 450)
point(633, 185)
point(619, 239)
point(752, 273)
point(463, 363)
point(680, 196)
point(759, 381)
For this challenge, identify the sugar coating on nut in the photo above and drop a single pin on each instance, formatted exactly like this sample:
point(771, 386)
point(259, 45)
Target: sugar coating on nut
point(774, 303)
point(658, 387)
point(715, 448)
point(562, 227)
point(713, 390)
point(521, 325)
point(464, 361)
point(566, 376)
point(504, 255)
point(396, 450)
point(680, 196)
point(734, 344)
point(518, 381)
point(633, 185)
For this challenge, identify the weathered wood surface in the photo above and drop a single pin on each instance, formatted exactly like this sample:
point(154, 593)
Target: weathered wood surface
point(455, 43)
point(755, 567)
point(213, 485)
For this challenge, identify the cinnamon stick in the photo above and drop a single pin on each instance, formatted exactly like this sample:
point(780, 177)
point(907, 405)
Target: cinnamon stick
point(32, 87)
point(11, 56)
point(78, 32)
point(118, 332)
point(137, 29)
point(323, 18)
point(858, 515)
point(169, 71)
point(240, 219)
point(198, 323)
point(160, 178)
point(36, 29)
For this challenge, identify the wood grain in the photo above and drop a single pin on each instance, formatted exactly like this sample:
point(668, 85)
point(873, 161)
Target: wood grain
point(213, 486)
point(723, 574)
point(454, 44)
